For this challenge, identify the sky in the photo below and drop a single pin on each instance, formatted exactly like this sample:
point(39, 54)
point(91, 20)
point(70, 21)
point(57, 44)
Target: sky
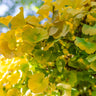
point(11, 7)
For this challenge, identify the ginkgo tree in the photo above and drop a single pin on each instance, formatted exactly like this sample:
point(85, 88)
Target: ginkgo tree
point(57, 58)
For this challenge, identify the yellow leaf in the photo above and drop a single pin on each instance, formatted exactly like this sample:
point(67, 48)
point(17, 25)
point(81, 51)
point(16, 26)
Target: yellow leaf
point(18, 34)
point(13, 92)
point(5, 20)
point(33, 20)
point(44, 10)
point(14, 78)
point(24, 48)
point(4, 49)
point(48, 46)
point(2, 93)
point(37, 83)
point(8, 86)
point(18, 20)
point(53, 30)
point(7, 43)
point(10, 36)
point(77, 4)
point(90, 18)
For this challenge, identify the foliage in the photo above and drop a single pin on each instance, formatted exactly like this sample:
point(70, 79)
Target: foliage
point(57, 58)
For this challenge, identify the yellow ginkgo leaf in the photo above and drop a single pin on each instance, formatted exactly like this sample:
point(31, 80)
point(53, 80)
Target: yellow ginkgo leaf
point(90, 18)
point(10, 36)
point(8, 86)
point(33, 20)
point(24, 48)
point(5, 20)
point(37, 83)
point(2, 93)
point(13, 92)
point(14, 78)
point(44, 10)
point(4, 49)
point(53, 30)
point(7, 43)
point(77, 4)
point(18, 20)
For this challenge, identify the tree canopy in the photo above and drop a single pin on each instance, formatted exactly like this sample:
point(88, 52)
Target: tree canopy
point(54, 58)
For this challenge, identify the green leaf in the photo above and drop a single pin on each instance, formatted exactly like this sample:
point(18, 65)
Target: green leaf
point(47, 56)
point(84, 76)
point(88, 47)
point(73, 78)
point(70, 77)
point(89, 30)
point(94, 93)
point(59, 64)
point(76, 65)
point(74, 92)
point(41, 56)
point(24, 67)
point(34, 35)
point(91, 58)
point(93, 65)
